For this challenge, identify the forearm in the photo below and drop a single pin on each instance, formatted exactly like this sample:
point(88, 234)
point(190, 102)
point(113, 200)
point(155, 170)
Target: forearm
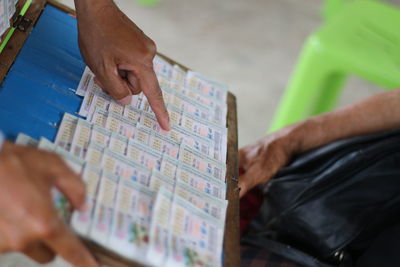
point(377, 113)
point(84, 6)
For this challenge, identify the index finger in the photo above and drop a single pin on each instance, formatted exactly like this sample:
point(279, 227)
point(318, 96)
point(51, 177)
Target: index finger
point(64, 243)
point(149, 84)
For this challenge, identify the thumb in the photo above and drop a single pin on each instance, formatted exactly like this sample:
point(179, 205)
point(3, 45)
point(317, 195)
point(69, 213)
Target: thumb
point(256, 174)
point(244, 184)
point(116, 86)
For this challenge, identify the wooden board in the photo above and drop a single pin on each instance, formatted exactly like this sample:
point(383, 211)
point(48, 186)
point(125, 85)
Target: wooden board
point(109, 258)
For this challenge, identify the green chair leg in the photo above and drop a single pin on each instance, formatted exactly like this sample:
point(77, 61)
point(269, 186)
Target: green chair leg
point(329, 94)
point(313, 89)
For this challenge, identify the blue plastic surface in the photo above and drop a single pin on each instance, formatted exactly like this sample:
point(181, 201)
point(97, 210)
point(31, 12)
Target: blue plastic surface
point(41, 84)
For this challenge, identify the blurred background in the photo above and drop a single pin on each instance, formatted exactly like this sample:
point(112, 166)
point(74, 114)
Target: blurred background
point(251, 45)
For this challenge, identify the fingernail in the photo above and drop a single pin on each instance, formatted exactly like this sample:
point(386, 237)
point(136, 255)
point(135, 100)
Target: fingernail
point(126, 100)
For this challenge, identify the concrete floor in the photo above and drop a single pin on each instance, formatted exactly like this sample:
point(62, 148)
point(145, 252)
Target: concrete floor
point(251, 45)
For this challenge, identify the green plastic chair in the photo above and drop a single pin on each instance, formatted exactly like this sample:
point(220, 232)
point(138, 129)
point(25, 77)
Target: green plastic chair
point(362, 39)
point(331, 7)
point(147, 2)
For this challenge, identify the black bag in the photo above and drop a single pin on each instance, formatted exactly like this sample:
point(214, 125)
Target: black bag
point(329, 204)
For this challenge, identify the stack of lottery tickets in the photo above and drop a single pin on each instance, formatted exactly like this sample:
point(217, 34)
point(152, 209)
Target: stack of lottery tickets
point(153, 196)
point(7, 10)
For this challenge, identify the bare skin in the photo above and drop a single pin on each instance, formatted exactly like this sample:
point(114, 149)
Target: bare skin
point(119, 54)
point(259, 162)
point(28, 220)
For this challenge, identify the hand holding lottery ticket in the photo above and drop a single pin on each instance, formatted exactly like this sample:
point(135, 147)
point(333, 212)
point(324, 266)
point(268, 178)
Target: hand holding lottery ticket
point(29, 222)
point(119, 54)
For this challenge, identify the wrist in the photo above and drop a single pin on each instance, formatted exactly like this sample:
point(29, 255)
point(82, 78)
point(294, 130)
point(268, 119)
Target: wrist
point(315, 131)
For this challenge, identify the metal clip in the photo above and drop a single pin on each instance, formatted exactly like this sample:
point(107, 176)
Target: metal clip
point(339, 255)
point(22, 23)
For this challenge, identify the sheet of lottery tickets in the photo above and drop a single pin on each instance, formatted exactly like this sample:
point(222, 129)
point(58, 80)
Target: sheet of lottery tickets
point(153, 196)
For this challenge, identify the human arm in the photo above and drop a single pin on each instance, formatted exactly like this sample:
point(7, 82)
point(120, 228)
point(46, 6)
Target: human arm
point(259, 162)
point(119, 54)
point(28, 221)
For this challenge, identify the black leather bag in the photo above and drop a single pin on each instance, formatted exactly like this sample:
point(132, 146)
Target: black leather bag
point(326, 207)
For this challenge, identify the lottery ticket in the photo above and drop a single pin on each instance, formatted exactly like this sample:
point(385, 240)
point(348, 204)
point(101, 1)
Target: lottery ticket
point(206, 86)
point(46, 145)
point(149, 121)
point(82, 220)
point(175, 115)
point(94, 97)
point(10, 8)
point(168, 95)
point(26, 140)
point(195, 110)
point(159, 228)
point(192, 126)
point(131, 113)
point(201, 182)
point(178, 75)
point(161, 66)
point(137, 100)
point(121, 125)
point(145, 105)
point(143, 155)
point(178, 87)
point(66, 131)
point(143, 134)
point(132, 217)
point(100, 136)
point(202, 128)
point(94, 154)
point(116, 108)
point(99, 117)
point(217, 134)
point(168, 166)
point(195, 238)
point(202, 145)
point(159, 180)
point(125, 168)
point(202, 163)
point(118, 143)
point(199, 106)
point(100, 100)
point(163, 81)
point(4, 18)
point(178, 135)
point(87, 76)
point(163, 144)
point(217, 110)
point(214, 206)
point(159, 142)
point(104, 210)
point(81, 138)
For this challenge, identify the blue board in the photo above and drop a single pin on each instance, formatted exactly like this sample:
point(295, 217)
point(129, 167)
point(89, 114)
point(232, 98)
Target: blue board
point(40, 86)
